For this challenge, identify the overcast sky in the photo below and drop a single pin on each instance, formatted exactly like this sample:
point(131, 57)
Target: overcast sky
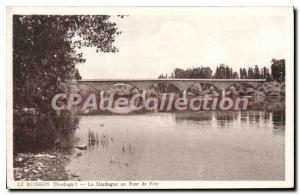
point(155, 44)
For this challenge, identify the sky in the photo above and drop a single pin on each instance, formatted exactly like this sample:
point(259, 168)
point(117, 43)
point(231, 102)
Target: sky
point(154, 44)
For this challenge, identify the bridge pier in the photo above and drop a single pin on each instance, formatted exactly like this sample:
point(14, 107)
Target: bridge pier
point(222, 92)
point(143, 94)
point(101, 95)
point(183, 94)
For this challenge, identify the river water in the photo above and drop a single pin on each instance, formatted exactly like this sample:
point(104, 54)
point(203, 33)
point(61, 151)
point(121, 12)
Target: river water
point(179, 146)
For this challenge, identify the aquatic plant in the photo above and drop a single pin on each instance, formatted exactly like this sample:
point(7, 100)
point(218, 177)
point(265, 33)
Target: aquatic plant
point(93, 138)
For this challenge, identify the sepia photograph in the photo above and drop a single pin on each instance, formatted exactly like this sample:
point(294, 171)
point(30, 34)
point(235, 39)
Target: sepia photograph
point(150, 97)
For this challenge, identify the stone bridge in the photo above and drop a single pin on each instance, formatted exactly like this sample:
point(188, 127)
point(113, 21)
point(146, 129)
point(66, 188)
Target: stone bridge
point(181, 84)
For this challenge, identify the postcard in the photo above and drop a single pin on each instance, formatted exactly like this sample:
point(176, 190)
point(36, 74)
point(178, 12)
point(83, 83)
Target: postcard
point(150, 97)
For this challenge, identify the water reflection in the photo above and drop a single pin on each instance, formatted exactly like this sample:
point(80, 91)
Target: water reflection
point(226, 118)
point(104, 141)
point(244, 117)
point(66, 127)
point(203, 145)
point(278, 117)
point(278, 120)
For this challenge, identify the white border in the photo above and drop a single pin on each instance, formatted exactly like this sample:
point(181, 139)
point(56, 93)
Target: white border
point(289, 149)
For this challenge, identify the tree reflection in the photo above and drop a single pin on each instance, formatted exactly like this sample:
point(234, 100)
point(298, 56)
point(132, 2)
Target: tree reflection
point(244, 117)
point(224, 118)
point(278, 118)
point(39, 132)
point(193, 116)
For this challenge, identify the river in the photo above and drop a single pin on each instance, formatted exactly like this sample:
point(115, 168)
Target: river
point(179, 146)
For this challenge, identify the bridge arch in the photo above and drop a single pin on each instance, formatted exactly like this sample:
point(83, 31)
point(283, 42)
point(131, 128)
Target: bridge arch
point(204, 87)
point(117, 84)
point(87, 87)
point(165, 87)
point(181, 85)
point(170, 85)
point(242, 86)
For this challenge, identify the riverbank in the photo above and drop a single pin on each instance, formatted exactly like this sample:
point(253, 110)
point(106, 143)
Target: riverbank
point(46, 166)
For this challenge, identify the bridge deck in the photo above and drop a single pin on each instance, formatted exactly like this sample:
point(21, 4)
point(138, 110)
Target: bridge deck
point(180, 84)
point(141, 80)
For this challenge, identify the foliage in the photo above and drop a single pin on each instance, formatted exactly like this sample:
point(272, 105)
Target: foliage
point(226, 72)
point(223, 72)
point(199, 72)
point(278, 69)
point(45, 50)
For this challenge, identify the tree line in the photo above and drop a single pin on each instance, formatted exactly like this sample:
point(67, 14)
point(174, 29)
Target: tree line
point(226, 72)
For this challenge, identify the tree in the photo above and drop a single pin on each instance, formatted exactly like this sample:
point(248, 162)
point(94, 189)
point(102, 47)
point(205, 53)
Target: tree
point(278, 69)
point(179, 73)
point(265, 73)
point(45, 50)
point(245, 73)
point(268, 75)
point(250, 73)
point(241, 73)
point(224, 72)
point(161, 76)
point(235, 75)
point(220, 72)
point(199, 72)
point(256, 73)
